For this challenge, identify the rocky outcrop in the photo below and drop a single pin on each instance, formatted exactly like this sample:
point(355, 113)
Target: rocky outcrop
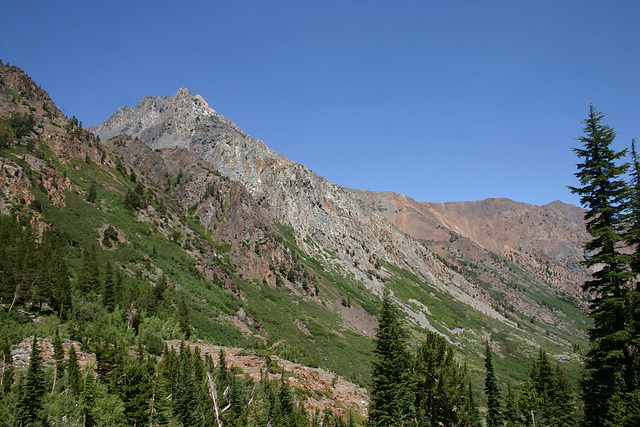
point(66, 137)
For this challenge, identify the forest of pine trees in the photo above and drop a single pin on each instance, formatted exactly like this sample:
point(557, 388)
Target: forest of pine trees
point(183, 388)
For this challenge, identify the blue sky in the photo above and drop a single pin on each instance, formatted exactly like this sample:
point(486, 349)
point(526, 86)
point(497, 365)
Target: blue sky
point(439, 100)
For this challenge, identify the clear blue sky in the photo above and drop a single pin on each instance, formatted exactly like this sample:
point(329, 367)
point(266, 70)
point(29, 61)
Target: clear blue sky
point(439, 100)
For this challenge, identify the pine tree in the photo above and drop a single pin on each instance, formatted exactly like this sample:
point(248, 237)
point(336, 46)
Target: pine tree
point(88, 402)
point(604, 193)
point(528, 404)
point(109, 294)
point(287, 404)
point(224, 376)
point(92, 195)
point(110, 365)
point(554, 392)
point(184, 318)
point(494, 414)
point(58, 355)
point(60, 283)
point(441, 392)
point(186, 389)
point(632, 238)
point(89, 280)
point(73, 370)
point(391, 394)
point(30, 405)
point(510, 409)
point(7, 370)
point(565, 410)
point(542, 380)
point(136, 391)
point(166, 385)
point(469, 414)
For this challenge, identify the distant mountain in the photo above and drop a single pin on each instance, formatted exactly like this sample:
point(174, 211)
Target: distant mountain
point(544, 240)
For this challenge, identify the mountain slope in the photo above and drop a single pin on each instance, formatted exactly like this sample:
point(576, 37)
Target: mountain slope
point(355, 246)
point(326, 213)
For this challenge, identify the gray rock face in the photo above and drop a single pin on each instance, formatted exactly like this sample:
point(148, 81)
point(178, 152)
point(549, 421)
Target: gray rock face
point(333, 217)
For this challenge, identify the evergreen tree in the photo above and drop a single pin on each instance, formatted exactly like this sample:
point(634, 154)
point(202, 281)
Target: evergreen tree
point(7, 370)
point(440, 384)
point(159, 288)
point(88, 401)
point(60, 283)
point(110, 365)
point(604, 193)
point(136, 391)
point(224, 376)
point(58, 355)
point(109, 294)
point(555, 404)
point(564, 410)
point(391, 394)
point(632, 238)
point(542, 380)
point(89, 280)
point(28, 267)
point(184, 318)
point(92, 194)
point(510, 409)
point(30, 405)
point(166, 385)
point(287, 404)
point(469, 415)
point(73, 370)
point(186, 394)
point(494, 414)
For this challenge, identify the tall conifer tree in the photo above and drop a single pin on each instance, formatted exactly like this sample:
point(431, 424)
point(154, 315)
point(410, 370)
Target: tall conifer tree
point(73, 370)
point(633, 240)
point(30, 405)
point(58, 355)
point(442, 394)
point(604, 194)
point(391, 396)
point(494, 414)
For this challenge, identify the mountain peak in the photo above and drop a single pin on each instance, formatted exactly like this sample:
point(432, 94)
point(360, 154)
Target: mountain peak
point(183, 91)
point(183, 98)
